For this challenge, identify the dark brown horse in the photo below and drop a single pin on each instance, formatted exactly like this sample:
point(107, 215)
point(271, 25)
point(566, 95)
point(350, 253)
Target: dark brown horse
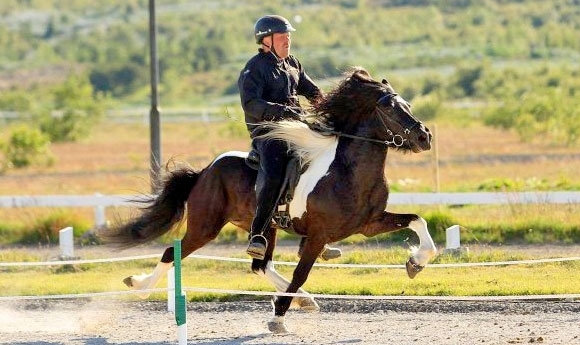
point(342, 191)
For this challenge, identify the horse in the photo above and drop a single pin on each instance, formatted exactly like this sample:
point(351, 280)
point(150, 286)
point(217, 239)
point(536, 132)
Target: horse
point(342, 189)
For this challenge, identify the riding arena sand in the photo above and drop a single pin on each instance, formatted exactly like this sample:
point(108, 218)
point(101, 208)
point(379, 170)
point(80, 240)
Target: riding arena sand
point(99, 322)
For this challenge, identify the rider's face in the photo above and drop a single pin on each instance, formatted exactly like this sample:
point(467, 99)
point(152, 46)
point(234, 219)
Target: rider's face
point(281, 43)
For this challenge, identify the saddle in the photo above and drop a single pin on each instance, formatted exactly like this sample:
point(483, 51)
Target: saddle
point(281, 215)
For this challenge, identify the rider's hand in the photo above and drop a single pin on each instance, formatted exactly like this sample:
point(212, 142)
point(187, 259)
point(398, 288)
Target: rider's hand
point(293, 113)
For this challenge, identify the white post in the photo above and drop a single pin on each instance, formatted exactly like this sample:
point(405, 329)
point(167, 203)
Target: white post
point(100, 220)
point(452, 237)
point(182, 334)
point(171, 290)
point(66, 243)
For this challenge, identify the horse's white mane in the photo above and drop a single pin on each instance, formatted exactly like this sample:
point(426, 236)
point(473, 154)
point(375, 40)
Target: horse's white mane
point(306, 143)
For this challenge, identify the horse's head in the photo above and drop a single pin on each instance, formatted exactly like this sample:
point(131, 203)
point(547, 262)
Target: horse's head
point(395, 115)
point(367, 108)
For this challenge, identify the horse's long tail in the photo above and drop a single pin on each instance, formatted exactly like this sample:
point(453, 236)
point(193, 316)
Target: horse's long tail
point(159, 214)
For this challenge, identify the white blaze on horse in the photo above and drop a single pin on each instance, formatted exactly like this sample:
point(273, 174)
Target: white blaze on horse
point(342, 189)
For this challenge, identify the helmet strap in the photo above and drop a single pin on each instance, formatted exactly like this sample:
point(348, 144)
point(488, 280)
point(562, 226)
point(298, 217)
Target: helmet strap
point(271, 46)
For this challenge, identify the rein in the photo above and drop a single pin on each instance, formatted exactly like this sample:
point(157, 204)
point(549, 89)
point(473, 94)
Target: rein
point(396, 139)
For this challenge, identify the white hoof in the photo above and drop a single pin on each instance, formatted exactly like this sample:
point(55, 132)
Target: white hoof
point(277, 327)
point(134, 284)
point(307, 304)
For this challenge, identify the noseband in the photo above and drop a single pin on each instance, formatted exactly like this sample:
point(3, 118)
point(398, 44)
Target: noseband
point(395, 139)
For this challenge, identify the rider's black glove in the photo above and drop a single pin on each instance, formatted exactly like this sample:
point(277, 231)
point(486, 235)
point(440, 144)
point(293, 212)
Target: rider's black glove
point(293, 113)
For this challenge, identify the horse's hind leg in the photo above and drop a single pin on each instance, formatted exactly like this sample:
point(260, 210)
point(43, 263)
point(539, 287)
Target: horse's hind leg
point(149, 281)
point(200, 231)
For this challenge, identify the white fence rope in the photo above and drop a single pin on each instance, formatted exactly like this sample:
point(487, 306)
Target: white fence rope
point(77, 262)
point(287, 263)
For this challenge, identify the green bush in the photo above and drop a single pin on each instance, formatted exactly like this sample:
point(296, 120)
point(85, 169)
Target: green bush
point(26, 146)
point(45, 230)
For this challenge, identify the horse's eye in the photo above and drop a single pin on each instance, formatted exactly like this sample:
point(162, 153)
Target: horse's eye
point(386, 100)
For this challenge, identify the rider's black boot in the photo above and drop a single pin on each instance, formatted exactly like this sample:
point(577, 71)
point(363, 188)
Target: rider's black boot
point(257, 246)
point(267, 196)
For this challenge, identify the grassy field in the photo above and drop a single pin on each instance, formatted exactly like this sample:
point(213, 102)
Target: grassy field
point(552, 278)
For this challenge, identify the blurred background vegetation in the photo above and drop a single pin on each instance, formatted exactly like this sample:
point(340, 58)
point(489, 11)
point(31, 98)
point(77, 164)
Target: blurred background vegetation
point(512, 63)
point(509, 64)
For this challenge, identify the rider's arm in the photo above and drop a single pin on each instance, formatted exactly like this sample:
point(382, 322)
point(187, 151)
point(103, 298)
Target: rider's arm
point(251, 87)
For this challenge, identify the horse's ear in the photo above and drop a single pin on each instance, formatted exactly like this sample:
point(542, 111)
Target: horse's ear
point(385, 81)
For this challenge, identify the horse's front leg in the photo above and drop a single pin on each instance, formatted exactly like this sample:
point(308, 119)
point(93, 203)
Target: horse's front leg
point(390, 222)
point(305, 303)
point(282, 303)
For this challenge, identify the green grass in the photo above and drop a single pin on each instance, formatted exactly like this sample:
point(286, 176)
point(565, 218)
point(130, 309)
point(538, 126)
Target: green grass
point(550, 278)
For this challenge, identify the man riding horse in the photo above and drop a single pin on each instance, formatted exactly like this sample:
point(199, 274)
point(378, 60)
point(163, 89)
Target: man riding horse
point(269, 87)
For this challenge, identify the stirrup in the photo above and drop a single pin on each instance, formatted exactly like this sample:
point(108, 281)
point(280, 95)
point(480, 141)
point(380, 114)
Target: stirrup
point(257, 247)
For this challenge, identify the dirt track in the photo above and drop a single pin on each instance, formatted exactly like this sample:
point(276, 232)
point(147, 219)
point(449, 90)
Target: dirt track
point(99, 322)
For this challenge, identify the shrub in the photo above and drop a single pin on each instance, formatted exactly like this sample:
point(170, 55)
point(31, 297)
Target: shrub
point(45, 230)
point(75, 110)
point(426, 107)
point(26, 146)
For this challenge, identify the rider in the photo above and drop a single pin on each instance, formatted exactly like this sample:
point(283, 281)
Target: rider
point(269, 87)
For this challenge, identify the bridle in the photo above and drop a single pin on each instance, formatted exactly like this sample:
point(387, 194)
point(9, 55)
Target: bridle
point(396, 139)
point(393, 139)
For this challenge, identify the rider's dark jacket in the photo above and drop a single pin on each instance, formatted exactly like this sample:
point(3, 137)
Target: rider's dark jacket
point(269, 89)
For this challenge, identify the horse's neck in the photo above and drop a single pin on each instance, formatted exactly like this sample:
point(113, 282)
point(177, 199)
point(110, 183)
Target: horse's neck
point(364, 157)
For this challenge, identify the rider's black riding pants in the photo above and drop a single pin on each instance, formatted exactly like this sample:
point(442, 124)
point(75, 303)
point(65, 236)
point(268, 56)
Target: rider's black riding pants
point(274, 158)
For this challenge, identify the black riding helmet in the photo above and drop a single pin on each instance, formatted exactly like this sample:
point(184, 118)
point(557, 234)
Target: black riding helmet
point(269, 25)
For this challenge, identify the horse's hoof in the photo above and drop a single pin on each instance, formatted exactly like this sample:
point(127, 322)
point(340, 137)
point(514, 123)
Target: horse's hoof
point(128, 281)
point(330, 253)
point(307, 304)
point(413, 268)
point(277, 327)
